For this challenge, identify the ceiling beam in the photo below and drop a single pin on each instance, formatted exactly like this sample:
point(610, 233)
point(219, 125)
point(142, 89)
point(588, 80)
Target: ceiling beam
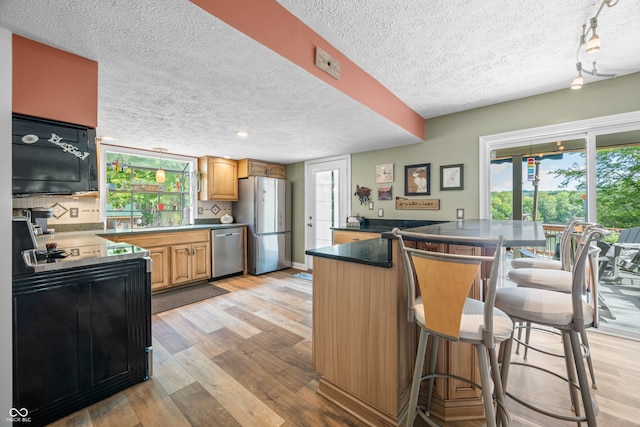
point(273, 26)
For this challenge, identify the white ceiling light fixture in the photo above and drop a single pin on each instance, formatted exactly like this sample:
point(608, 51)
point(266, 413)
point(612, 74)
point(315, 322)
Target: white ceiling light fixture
point(242, 134)
point(593, 46)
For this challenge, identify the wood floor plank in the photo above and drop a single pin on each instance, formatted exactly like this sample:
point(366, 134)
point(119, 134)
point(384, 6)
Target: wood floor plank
point(153, 405)
point(168, 371)
point(201, 409)
point(193, 334)
point(237, 400)
point(210, 319)
point(170, 339)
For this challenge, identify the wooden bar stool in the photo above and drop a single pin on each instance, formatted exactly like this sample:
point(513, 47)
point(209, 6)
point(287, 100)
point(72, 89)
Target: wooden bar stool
point(444, 311)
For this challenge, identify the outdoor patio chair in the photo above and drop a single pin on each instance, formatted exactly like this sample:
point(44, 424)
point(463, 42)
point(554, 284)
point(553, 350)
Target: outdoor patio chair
point(565, 252)
point(623, 256)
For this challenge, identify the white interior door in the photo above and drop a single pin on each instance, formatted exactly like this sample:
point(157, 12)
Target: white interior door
point(327, 183)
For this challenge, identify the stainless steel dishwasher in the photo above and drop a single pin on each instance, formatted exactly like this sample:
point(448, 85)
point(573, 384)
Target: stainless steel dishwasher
point(227, 251)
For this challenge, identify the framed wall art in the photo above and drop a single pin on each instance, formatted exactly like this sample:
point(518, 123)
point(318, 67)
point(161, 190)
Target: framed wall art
point(452, 177)
point(384, 173)
point(384, 192)
point(417, 180)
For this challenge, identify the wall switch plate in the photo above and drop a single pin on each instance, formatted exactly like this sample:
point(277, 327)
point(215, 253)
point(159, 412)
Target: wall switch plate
point(380, 212)
point(327, 63)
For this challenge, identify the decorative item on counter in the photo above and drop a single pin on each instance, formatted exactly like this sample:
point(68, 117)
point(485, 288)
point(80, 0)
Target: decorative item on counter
point(355, 221)
point(226, 219)
point(363, 194)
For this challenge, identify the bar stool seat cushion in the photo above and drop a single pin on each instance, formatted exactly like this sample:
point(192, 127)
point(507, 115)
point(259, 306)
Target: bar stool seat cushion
point(471, 324)
point(527, 262)
point(541, 306)
point(540, 278)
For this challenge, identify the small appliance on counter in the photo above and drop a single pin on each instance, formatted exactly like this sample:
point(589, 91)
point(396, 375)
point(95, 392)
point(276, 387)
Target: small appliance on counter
point(23, 238)
point(39, 219)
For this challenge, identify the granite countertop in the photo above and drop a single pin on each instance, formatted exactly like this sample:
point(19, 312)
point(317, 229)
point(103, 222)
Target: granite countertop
point(79, 251)
point(149, 230)
point(377, 252)
point(516, 233)
point(384, 225)
point(83, 248)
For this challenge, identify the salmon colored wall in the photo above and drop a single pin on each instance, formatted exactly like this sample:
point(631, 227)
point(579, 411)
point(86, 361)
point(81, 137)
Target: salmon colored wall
point(54, 84)
point(275, 27)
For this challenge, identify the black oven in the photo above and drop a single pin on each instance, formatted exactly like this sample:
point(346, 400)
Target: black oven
point(52, 157)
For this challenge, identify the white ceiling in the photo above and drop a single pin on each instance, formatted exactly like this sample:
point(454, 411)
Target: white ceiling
point(173, 76)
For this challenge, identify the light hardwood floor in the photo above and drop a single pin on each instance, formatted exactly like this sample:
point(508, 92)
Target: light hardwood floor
point(244, 359)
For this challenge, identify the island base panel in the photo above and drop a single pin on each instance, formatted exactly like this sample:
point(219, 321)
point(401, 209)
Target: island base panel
point(359, 408)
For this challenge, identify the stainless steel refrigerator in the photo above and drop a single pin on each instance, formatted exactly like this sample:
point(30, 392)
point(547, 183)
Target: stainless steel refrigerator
point(265, 205)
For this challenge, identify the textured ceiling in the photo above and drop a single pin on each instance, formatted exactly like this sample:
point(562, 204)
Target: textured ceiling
point(173, 76)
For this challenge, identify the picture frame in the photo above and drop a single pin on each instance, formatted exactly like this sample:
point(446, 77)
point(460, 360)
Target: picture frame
point(384, 173)
point(452, 177)
point(417, 180)
point(385, 192)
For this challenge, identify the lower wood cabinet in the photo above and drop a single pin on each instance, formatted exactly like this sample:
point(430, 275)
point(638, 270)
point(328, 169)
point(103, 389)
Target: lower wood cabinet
point(160, 267)
point(190, 262)
point(346, 236)
point(187, 259)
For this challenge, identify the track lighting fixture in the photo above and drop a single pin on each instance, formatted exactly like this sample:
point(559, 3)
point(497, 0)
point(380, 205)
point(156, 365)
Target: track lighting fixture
point(592, 46)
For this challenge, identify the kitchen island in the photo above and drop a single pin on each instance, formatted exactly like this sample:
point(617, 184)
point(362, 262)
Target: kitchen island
point(363, 345)
point(81, 325)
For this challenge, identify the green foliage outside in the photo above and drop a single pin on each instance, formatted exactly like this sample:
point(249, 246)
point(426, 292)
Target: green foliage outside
point(554, 207)
point(617, 192)
point(142, 208)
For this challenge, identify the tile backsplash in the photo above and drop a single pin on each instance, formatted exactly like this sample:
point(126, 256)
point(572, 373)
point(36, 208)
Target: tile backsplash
point(211, 210)
point(65, 210)
point(70, 213)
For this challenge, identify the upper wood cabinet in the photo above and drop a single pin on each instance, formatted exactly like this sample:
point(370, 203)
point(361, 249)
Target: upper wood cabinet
point(219, 180)
point(53, 84)
point(251, 167)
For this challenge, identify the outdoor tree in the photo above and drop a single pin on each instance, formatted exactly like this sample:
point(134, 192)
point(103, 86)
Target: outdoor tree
point(617, 185)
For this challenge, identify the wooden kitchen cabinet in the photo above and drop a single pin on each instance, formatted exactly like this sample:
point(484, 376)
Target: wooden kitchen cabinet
point(251, 167)
point(220, 179)
point(190, 262)
point(345, 236)
point(160, 267)
point(186, 259)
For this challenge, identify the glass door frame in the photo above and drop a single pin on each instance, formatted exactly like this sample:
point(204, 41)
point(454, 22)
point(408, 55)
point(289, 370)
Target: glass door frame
point(587, 129)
